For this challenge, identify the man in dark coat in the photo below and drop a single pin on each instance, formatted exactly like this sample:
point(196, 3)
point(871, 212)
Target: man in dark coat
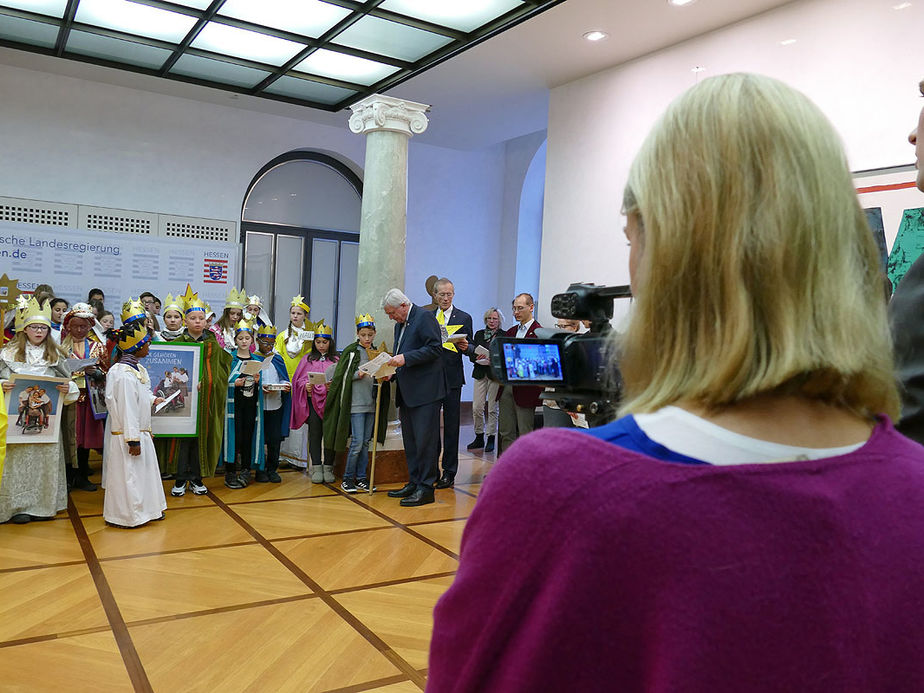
point(421, 386)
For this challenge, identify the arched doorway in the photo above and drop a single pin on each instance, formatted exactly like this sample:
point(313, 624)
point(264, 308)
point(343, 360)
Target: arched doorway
point(300, 230)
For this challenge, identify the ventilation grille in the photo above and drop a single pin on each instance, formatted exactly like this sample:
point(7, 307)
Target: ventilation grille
point(36, 212)
point(200, 229)
point(88, 218)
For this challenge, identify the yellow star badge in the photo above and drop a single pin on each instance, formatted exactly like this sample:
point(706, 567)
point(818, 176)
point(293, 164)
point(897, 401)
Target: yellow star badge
point(447, 331)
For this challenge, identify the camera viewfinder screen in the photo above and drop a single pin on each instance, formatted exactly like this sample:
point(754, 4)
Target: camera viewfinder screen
point(531, 362)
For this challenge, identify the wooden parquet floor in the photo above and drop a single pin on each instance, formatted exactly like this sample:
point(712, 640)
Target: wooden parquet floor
point(275, 587)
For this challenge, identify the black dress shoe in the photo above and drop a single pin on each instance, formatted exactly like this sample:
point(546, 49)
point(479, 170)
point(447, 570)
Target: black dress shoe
point(404, 491)
point(20, 519)
point(421, 496)
point(490, 446)
point(476, 444)
point(84, 484)
point(446, 481)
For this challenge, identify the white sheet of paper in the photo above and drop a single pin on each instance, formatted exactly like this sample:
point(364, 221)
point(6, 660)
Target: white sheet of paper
point(79, 364)
point(483, 361)
point(252, 367)
point(482, 352)
point(457, 337)
point(377, 367)
point(166, 401)
point(317, 379)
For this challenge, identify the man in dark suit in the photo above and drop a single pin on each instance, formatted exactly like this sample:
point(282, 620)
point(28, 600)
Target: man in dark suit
point(452, 321)
point(518, 403)
point(421, 387)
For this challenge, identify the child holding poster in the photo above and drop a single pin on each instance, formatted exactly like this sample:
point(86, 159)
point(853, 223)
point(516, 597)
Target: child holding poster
point(33, 486)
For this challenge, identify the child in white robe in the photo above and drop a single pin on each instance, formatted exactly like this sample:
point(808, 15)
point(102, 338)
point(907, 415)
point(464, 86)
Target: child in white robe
point(134, 491)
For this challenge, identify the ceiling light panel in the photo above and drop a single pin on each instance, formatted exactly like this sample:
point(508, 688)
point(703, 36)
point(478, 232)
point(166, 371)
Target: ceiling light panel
point(218, 71)
point(395, 40)
point(344, 67)
point(297, 88)
point(27, 31)
point(53, 8)
point(116, 50)
point(196, 4)
point(306, 17)
point(132, 18)
point(463, 15)
point(229, 40)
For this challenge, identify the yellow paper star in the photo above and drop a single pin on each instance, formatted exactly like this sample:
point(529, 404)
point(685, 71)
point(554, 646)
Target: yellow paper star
point(447, 330)
point(189, 295)
point(8, 289)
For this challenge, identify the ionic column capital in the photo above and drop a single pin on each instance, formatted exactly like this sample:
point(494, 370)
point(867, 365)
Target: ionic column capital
point(378, 112)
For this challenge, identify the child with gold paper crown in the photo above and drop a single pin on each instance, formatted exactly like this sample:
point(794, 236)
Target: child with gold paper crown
point(309, 401)
point(293, 344)
point(34, 486)
point(244, 412)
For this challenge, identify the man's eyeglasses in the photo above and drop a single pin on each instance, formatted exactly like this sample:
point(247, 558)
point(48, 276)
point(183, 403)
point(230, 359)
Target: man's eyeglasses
point(445, 294)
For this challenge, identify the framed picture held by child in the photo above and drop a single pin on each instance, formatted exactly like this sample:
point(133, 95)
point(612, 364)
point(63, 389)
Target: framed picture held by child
point(174, 369)
point(34, 409)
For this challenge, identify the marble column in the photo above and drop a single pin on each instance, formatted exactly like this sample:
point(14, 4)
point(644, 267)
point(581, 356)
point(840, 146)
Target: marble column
point(388, 124)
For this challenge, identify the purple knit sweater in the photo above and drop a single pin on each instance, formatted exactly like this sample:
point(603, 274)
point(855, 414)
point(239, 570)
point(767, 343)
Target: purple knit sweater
point(587, 567)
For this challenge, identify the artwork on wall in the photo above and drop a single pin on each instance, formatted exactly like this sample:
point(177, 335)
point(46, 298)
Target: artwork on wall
point(895, 209)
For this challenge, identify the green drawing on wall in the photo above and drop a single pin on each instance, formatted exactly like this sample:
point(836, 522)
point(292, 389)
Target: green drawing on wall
point(908, 244)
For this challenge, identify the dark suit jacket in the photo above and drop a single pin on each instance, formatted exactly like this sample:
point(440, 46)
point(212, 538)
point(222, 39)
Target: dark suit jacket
point(452, 360)
point(905, 311)
point(526, 395)
point(420, 379)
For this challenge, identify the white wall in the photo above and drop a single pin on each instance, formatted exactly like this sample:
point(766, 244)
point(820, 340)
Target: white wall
point(71, 140)
point(859, 60)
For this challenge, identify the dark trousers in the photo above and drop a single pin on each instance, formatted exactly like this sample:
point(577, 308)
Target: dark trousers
point(420, 432)
point(245, 420)
point(451, 404)
point(272, 435)
point(315, 438)
point(187, 459)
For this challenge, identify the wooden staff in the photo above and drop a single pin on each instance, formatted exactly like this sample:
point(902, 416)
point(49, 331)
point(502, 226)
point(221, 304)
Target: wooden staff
point(375, 437)
point(2, 325)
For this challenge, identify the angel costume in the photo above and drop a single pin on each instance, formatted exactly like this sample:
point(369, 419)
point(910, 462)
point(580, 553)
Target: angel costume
point(293, 344)
point(34, 481)
point(134, 491)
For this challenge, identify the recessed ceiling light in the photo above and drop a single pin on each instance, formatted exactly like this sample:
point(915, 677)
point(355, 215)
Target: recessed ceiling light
point(787, 42)
point(698, 68)
point(595, 35)
point(680, 3)
point(901, 6)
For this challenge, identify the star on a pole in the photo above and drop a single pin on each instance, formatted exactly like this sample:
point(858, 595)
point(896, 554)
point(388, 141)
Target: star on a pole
point(8, 289)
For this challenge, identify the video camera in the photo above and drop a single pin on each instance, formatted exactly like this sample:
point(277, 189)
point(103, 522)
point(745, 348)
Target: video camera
point(573, 365)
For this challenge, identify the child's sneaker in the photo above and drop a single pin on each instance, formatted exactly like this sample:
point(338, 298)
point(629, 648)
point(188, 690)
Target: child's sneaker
point(232, 481)
point(363, 485)
point(198, 487)
point(348, 485)
point(179, 488)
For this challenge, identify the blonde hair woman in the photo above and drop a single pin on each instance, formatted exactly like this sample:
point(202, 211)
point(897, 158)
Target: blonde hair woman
point(753, 521)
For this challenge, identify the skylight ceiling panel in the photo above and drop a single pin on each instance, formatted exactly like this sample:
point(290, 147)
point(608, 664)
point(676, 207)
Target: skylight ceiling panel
point(310, 18)
point(250, 45)
point(53, 8)
point(195, 4)
point(218, 71)
point(133, 18)
point(28, 31)
point(395, 40)
point(116, 50)
point(344, 67)
point(306, 90)
point(463, 15)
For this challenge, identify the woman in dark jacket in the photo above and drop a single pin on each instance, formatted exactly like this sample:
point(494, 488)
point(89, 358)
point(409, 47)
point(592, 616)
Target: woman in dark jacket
point(485, 385)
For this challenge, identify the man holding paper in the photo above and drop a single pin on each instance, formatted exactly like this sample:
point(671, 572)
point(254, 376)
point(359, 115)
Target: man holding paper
point(421, 389)
point(456, 328)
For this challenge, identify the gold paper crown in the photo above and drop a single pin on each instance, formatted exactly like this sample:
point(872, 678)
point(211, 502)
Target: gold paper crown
point(266, 331)
point(191, 302)
point(254, 301)
point(236, 299)
point(35, 314)
point(243, 326)
point(132, 336)
point(300, 302)
point(322, 330)
point(21, 304)
point(172, 303)
point(365, 320)
point(132, 310)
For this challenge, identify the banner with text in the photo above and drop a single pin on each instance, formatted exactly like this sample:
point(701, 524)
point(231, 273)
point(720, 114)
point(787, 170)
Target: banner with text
point(120, 264)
